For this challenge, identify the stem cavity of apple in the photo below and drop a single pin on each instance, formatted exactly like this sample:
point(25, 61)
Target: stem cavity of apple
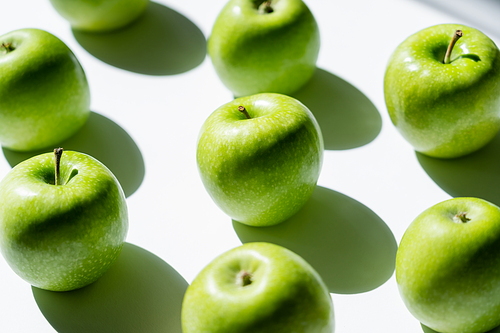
point(461, 218)
point(455, 38)
point(244, 111)
point(8, 47)
point(57, 154)
point(243, 279)
point(265, 7)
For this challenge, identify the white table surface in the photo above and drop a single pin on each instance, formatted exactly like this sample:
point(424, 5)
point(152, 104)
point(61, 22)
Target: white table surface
point(145, 127)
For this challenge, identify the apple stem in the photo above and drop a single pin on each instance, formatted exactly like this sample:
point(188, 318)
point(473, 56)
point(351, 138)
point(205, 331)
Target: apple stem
point(265, 7)
point(8, 47)
point(455, 38)
point(244, 278)
point(461, 217)
point(244, 111)
point(58, 153)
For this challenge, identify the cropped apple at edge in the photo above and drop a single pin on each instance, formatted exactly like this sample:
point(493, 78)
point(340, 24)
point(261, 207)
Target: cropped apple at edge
point(260, 167)
point(445, 110)
point(258, 287)
point(61, 235)
point(44, 93)
point(448, 266)
point(264, 46)
point(100, 15)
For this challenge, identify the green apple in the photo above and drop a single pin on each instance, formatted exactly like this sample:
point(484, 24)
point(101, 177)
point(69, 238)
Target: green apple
point(62, 223)
point(261, 46)
point(259, 157)
point(445, 108)
point(44, 93)
point(448, 266)
point(257, 287)
point(99, 15)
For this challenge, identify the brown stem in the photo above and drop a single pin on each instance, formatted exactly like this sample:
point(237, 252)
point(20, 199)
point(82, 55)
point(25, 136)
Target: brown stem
point(461, 217)
point(58, 153)
point(265, 7)
point(243, 279)
point(244, 111)
point(455, 38)
point(8, 47)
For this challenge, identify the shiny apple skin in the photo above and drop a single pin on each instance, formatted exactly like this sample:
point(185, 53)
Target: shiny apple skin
point(260, 171)
point(256, 53)
point(445, 110)
point(61, 237)
point(285, 294)
point(448, 272)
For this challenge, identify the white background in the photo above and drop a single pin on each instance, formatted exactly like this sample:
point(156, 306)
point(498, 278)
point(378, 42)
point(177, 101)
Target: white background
point(148, 138)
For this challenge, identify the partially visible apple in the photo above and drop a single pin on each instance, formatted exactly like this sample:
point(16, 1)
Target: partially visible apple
point(259, 46)
point(44, 94)
point(258, 287)
point(259, 157)
point(100, 15)
point(448, 266)
point(445, 108)
point(61, 230)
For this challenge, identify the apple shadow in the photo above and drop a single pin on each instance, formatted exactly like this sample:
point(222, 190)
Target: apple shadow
point(348, 119)
point(104, 140)
point(351, 248)
point(426, 329)
point(160, 42)
point(473, 175)
point(140, 293)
